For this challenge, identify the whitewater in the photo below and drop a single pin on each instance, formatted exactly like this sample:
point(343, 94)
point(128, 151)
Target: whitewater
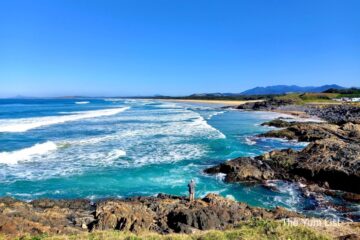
point(25, 124)
point(97, 148)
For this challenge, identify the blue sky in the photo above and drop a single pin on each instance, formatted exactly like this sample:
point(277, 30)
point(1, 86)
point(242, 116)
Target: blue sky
point(143, 47)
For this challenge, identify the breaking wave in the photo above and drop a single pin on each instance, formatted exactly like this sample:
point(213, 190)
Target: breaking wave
point(82, 102)
point(25, 124)
point(27, 154)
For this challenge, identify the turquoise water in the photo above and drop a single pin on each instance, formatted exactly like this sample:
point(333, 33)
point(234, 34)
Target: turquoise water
point(100, 148)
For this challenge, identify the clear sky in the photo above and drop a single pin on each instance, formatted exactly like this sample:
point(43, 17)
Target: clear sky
point(175, 47)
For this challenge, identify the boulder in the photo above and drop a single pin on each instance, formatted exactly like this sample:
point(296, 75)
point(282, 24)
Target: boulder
point(333, 161)
point(243, 169)
point(277, 123)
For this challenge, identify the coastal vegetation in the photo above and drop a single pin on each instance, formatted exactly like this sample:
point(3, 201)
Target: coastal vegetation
point(327, 96)
point(349, 92)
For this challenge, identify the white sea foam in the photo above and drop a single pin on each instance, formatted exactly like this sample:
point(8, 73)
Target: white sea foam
point(82, 102)
point(285, 117)
point(25, 124)
point(201, 123)
point(144, 136)
point(173, 152)
point(250, 141)
point(214, 114)
point(289, 190)
point(115, 154)
point(27, 154)
point(220, 176)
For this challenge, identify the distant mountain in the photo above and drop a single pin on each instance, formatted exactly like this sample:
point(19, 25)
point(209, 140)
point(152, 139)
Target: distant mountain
point(282, 89)
point(214, 94)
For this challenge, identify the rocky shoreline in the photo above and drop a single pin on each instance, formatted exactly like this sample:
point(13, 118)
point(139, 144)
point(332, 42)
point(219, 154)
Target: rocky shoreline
point(162, 214)
point(330, 164)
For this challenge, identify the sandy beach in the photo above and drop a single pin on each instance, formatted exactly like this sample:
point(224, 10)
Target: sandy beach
point(222, 102)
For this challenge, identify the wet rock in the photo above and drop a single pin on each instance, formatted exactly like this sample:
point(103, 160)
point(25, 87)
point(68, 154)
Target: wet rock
point(243, 169)
point(277, 123)
point(331, 159)
point(307, 132)
point(269, 166)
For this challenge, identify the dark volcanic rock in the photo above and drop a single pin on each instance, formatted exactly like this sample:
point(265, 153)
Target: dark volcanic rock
point(310, 131)
point(272, 165)
point(332, 160)
point(338, 114)
point(277, 123)
point(271, 104)
point(243, 169)
point(333, 156)
point(163, 214)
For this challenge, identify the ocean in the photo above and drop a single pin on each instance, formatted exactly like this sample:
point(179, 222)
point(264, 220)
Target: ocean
point(99, 148)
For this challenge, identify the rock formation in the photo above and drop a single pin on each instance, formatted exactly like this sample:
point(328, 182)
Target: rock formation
point(331, 158)
point(162, 214)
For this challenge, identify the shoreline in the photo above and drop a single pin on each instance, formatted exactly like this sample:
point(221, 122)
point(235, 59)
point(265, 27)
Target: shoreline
point(330, 136)
point(88, 216)
point(221, 102)
point(161, 215)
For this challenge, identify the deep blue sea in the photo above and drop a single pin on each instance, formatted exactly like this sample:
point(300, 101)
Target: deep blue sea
point(97, 148)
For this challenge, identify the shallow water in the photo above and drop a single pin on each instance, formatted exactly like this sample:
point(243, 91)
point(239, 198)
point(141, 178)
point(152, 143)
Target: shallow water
point(96, 148)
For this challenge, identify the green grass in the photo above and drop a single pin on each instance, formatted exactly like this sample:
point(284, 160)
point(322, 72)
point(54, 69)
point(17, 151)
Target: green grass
point(251, 230)
point(304, 98)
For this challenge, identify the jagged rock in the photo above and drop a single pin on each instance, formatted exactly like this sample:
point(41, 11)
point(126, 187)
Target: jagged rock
point(338, 114)
point(277, 123)
point(123, 216)
point(17, 217)
point(334, 160)
point(331, 160)
point(162, 214)
point(307, 132)
point(243, 169)
point(271, 165)
point(83, 204)
point(270, 104)
point(280, 160)
point(353, 129)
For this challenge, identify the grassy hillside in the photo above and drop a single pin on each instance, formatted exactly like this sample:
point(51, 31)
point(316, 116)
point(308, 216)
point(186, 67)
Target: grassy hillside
point(252, 230)
point(304, 98)
point(349, 92)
